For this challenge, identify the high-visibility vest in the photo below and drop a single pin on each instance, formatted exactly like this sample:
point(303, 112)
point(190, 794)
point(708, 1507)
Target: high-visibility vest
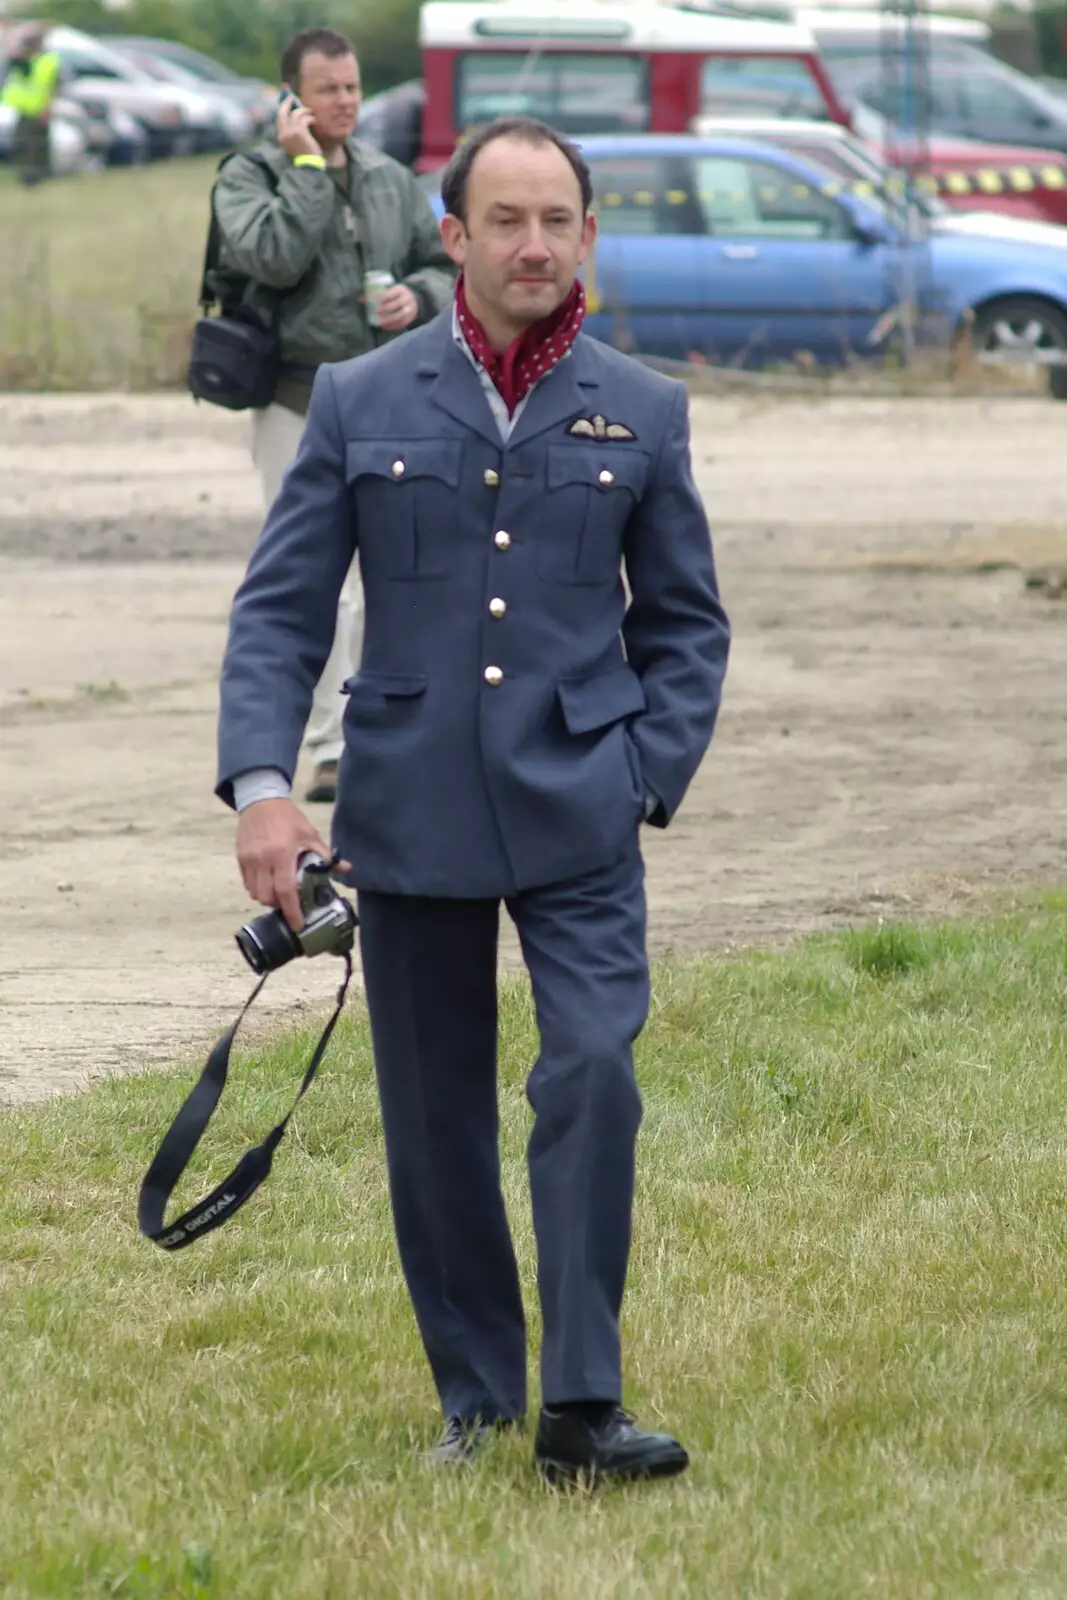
point(30, 87)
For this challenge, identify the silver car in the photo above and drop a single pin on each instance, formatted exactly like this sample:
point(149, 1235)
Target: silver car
point(177, 63)
point(178, 120)
point(236, 120)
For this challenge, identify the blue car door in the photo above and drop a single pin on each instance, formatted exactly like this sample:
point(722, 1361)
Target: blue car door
point(644, 277)
point(783, 274)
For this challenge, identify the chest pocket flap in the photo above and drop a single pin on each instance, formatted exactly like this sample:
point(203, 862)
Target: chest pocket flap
point(405, 526)
point(605, 467)
point(592, 491)
point(401, 460)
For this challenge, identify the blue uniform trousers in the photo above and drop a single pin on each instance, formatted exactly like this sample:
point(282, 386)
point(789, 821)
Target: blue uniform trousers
point(430, 969)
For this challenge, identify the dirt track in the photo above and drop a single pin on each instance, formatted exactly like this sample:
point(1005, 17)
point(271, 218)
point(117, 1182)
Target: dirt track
point(893, 740)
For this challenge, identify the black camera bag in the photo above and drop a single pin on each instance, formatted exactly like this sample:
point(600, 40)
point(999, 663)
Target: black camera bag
point(235, 356)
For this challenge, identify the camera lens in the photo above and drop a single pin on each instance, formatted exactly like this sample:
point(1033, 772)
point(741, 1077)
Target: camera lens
point(267, 943)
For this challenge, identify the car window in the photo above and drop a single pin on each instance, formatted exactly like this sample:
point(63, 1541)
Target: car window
point(147, 64)
point(755, 200)
point(754, 86)
point(645, 195)
point(162, 70)
point(835, 158)
point(935, 105)
point(575, 92)
point(838, 52)
point(202, 67)
point(988, 97)
point(80, 64)
point(857, 172)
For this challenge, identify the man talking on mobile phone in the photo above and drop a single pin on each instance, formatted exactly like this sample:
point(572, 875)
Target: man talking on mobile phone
point(318, 221)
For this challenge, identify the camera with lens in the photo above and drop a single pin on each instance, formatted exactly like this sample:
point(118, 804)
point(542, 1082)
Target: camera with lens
point(329, 922)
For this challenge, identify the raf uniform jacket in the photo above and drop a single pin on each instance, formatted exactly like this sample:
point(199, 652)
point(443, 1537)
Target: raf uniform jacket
point(514, 708)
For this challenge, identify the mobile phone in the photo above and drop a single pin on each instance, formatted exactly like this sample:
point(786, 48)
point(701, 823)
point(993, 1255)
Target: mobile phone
point(285, 94)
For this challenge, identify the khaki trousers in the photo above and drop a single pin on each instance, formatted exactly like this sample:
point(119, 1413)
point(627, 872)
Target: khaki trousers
point(276, 435)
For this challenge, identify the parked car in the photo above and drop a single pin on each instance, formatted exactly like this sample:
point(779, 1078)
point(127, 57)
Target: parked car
point(392, 121)
point(983, 99)
point(964, 179)
point(588, 68)
point(733, 251)
point(178, 120)
point(862, 37)
point(247, 105)
point(119, 139)
point(207, 70)
point(1012, 180)
point(850, 27)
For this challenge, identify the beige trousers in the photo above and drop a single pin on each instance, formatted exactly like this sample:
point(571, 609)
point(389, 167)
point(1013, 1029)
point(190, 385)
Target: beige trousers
point(276, 435)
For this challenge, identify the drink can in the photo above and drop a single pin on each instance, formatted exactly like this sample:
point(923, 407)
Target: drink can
point(374, 286)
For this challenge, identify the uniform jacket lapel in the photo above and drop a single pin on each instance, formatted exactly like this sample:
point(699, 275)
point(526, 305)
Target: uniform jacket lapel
point(453, 384)
point(567, 392)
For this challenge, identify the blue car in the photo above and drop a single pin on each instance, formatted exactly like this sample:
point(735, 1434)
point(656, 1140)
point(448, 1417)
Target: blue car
point(735, 251)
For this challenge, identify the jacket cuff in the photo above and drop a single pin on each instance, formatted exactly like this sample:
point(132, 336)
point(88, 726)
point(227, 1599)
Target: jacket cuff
point(261, 783)
point(427, 309)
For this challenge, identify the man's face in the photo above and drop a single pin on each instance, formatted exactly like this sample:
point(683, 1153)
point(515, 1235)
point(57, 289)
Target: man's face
point(525, 236)
point(330, 88)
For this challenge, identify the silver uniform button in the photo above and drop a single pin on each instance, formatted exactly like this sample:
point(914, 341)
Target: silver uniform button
point(398, 469)
point(502, 540)
point(492, 479)
point(494, 677)
point(498, 607)
point(607, 479)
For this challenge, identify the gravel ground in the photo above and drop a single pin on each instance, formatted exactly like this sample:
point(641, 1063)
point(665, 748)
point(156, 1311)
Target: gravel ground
point(893, 738)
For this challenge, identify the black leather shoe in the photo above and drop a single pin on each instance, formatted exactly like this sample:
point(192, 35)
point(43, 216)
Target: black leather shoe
point(591, 1442)
point(464, 1438)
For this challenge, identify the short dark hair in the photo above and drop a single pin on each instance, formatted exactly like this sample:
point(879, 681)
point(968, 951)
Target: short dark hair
point(323, 41)
point(530, 131)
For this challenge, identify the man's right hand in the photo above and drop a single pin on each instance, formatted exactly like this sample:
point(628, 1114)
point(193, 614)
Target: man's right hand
point(294, 130)
point(272, 835)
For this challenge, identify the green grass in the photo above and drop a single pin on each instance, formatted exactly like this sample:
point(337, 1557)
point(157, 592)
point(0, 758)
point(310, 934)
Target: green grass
point(100, 276)
point(849, 1293)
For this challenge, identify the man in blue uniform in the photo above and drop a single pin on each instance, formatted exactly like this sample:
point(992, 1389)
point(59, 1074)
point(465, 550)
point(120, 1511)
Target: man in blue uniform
point(515, 717)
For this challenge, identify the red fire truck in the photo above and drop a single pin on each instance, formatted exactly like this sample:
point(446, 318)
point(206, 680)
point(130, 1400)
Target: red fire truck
point(596, 66)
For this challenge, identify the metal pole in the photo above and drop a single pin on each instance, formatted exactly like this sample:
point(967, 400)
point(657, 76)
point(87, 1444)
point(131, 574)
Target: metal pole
point(906, 97)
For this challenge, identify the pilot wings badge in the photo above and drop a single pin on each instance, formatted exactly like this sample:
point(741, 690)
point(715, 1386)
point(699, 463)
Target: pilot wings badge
point(599, 427)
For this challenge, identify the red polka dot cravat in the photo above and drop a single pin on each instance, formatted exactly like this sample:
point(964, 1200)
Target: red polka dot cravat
point(533, 354)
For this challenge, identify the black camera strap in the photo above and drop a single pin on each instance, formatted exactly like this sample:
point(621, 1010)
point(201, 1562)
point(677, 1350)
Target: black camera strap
point(187, 1129)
